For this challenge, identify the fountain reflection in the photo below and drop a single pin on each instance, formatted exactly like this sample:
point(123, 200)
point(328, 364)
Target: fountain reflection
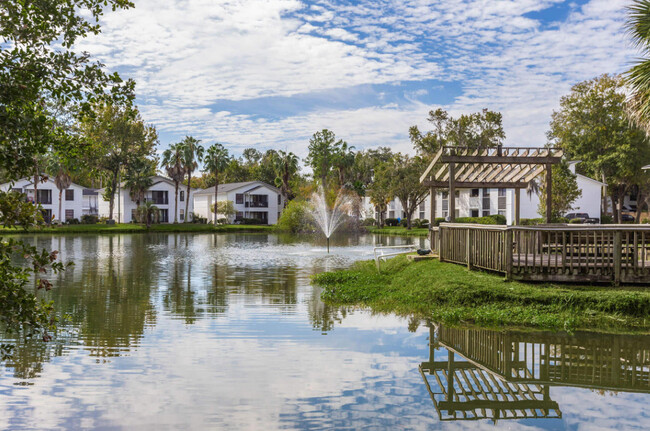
point(490, 374)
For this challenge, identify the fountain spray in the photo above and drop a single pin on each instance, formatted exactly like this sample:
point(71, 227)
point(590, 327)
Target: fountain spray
point(328, 220)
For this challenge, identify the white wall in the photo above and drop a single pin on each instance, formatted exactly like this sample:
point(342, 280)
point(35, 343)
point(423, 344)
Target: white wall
point(76, 205)
point(204, 200)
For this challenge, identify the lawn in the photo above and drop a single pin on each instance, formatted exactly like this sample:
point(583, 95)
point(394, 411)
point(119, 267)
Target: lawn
point(451, 294)
point(138, 228)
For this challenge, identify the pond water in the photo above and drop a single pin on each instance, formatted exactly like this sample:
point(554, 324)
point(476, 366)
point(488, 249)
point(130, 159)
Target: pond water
point(204, 331)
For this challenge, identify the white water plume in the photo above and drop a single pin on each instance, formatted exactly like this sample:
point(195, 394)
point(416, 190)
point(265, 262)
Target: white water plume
point(329, 219)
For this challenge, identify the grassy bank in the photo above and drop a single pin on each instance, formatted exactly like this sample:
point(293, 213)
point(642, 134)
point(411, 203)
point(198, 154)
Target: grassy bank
point(451, 294)
point(138, 228)
point(398, 230)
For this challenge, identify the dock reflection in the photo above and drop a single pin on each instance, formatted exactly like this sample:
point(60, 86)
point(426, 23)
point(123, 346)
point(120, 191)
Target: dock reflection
point(488, 374)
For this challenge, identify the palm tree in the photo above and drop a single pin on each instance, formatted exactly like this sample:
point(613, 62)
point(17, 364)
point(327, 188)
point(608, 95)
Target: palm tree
point(62, 178)
point(172, 162)
point(286, 165)
point(192, 154)
point(147, 211)
point(216, 161)
point(344, 162)
point(638, 77)
point(138, 180)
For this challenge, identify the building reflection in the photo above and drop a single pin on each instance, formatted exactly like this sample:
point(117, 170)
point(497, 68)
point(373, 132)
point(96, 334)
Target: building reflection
point(489, 374)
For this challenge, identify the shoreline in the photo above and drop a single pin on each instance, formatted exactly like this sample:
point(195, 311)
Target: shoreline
point(138, 228)
point(452, 295)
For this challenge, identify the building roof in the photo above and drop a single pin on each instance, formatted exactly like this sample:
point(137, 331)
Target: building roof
point(30, 181)
point(228, 187)
point(156, 179)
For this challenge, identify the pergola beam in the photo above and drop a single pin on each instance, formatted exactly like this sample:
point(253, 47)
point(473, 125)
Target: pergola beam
point(476, 185)
point(521, 160)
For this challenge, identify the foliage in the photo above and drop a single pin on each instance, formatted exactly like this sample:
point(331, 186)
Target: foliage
point(296, 218)
point(405, 183)
point(391, 222)
point(147, 212)
point(172, 163)
point(89, 219)
point(380, 190)
point(215, 162)
point(191, 155)
point(324, 153)
point(225, 208)
point(491, 219)
point(531, 221)
point(478, 130)
point(286, 166)
point(420, 223)
point(137, 178)
point(592, 125)
point(564, 191)
point(449, 293)
point(368, 221)
point(638, 76)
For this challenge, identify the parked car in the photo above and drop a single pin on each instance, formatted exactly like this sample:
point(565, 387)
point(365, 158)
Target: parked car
point(583, 216)
point(627, 218)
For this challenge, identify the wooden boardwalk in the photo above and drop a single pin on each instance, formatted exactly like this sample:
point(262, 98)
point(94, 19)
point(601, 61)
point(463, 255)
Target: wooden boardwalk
point(567, 253)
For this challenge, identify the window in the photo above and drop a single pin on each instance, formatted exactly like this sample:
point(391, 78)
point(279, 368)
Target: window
point(159, 197)
point(69, 214)
point(162, 215)
point(69, 195)
point(239, 216)
point(502, 202)
point(182, 215)
point(182, 197)
point(239, 198)
point(486, 213)
point(486, 201)
point(279, 199)
point(473, 213)
point(474, 193)
point(45, 196)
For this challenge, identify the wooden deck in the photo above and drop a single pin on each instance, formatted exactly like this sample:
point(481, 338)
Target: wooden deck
point(567, 253)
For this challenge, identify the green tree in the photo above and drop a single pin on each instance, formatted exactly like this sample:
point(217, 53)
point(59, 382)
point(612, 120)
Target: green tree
point(592, 125)
point(237, 172)
point(564, 191)
point(265, 170)
point(147, 212)
point(380, 190)
point(61, 168)
point(225, 208)
point(252, 157)
point(172, 163)
point(120, 139)
point(478, 130)
point(215, 162)
point(638, 76)
point(192, 155)
point(137, 179)
point(38, 65)
point(324, 152)
point(405, 183)
point(286, 166)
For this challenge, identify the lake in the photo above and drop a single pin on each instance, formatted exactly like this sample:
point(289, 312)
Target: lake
point(206, 331)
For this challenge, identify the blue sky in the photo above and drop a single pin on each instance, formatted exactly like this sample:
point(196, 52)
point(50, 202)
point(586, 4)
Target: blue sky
point(270, 73)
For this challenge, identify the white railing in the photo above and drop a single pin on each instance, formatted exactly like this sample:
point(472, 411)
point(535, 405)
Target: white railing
point(380, 253)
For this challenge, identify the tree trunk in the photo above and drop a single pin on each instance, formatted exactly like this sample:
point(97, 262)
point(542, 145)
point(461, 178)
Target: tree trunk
point(111, 200)
point(640, 198)
point(621, 198)
point(61, 205)
point(175, 202)
point(614, 199)
point(187, 195)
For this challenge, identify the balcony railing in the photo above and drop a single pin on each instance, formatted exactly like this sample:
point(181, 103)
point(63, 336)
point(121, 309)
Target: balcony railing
point(257, 204)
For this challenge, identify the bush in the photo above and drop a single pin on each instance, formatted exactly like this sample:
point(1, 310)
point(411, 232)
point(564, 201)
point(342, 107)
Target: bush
point(391, 222)
point(249, 221)
point(222, 220)
point(296, 218)
point(368, 221)
point(606, 219)
point(491, 219)
point(439, 220)
point(198, 219)
point(500, 219)
point(575, 221)
point(403, 222)
point(531, 221)
point(89, 219)
point(72, 221)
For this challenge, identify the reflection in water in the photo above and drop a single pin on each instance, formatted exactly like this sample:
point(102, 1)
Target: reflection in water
point(495, 375)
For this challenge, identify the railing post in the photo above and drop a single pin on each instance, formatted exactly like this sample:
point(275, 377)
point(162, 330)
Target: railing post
point(508, 245)
point(441, 243)
point(617, 257)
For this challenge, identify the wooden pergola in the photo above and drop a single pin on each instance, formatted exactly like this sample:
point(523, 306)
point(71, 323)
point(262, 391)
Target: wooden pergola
point(499, 167)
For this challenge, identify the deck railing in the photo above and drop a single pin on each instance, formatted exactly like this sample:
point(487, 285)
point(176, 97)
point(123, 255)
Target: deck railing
point(594, 253)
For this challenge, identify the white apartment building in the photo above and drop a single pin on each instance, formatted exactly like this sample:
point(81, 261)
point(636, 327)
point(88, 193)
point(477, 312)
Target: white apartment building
point(161, 194)
point(251, 199)
point(72, 203)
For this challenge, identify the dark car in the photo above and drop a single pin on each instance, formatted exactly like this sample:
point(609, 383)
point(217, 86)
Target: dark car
point(582, 216)
point(627, 218)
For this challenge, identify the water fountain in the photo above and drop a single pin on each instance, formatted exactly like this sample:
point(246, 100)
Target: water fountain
point(328, 220)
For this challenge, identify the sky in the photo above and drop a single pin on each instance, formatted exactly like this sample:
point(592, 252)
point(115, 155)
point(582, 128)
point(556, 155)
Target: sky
point(270, 73)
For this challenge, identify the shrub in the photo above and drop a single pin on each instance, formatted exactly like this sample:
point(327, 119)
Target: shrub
point(403, 222)
point(391, 222)
point(575, 221)
point(368, 221)
point(606, 219)
point(222, 220)
point(531, 221)
point(72, 221)
point(500, 219)
point(89, 219)
point(296, 218)
point(439, 220)
point(491, 219)
point(198, 219)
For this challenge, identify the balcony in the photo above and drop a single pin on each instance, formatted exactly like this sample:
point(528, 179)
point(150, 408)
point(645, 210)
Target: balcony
point(257, 204)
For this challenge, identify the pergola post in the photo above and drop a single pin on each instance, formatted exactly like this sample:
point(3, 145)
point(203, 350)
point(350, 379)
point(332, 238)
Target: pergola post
point(549, 192)
point(432, 205)
point(517, 206)
point(452, 192)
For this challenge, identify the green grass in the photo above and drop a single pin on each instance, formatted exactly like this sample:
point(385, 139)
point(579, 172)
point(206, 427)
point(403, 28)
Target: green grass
point(399, 230)
point(138, 228)
point(451, 294)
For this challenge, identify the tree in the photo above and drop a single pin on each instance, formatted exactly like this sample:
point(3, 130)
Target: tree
point(172, 163)
point(60, 167)
point(380, 191)
point(592, 125)
point(147, 212)
point(638, 76)
point(479, 130)
point(119, 138)
point(286, 166)
point(225, 208)
point(564, 191)
point(192, 155)
point(137, 179)
point(405, 183)
point(324, 151)
point(37, 65)
point(252, 157)
point(215, 162)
